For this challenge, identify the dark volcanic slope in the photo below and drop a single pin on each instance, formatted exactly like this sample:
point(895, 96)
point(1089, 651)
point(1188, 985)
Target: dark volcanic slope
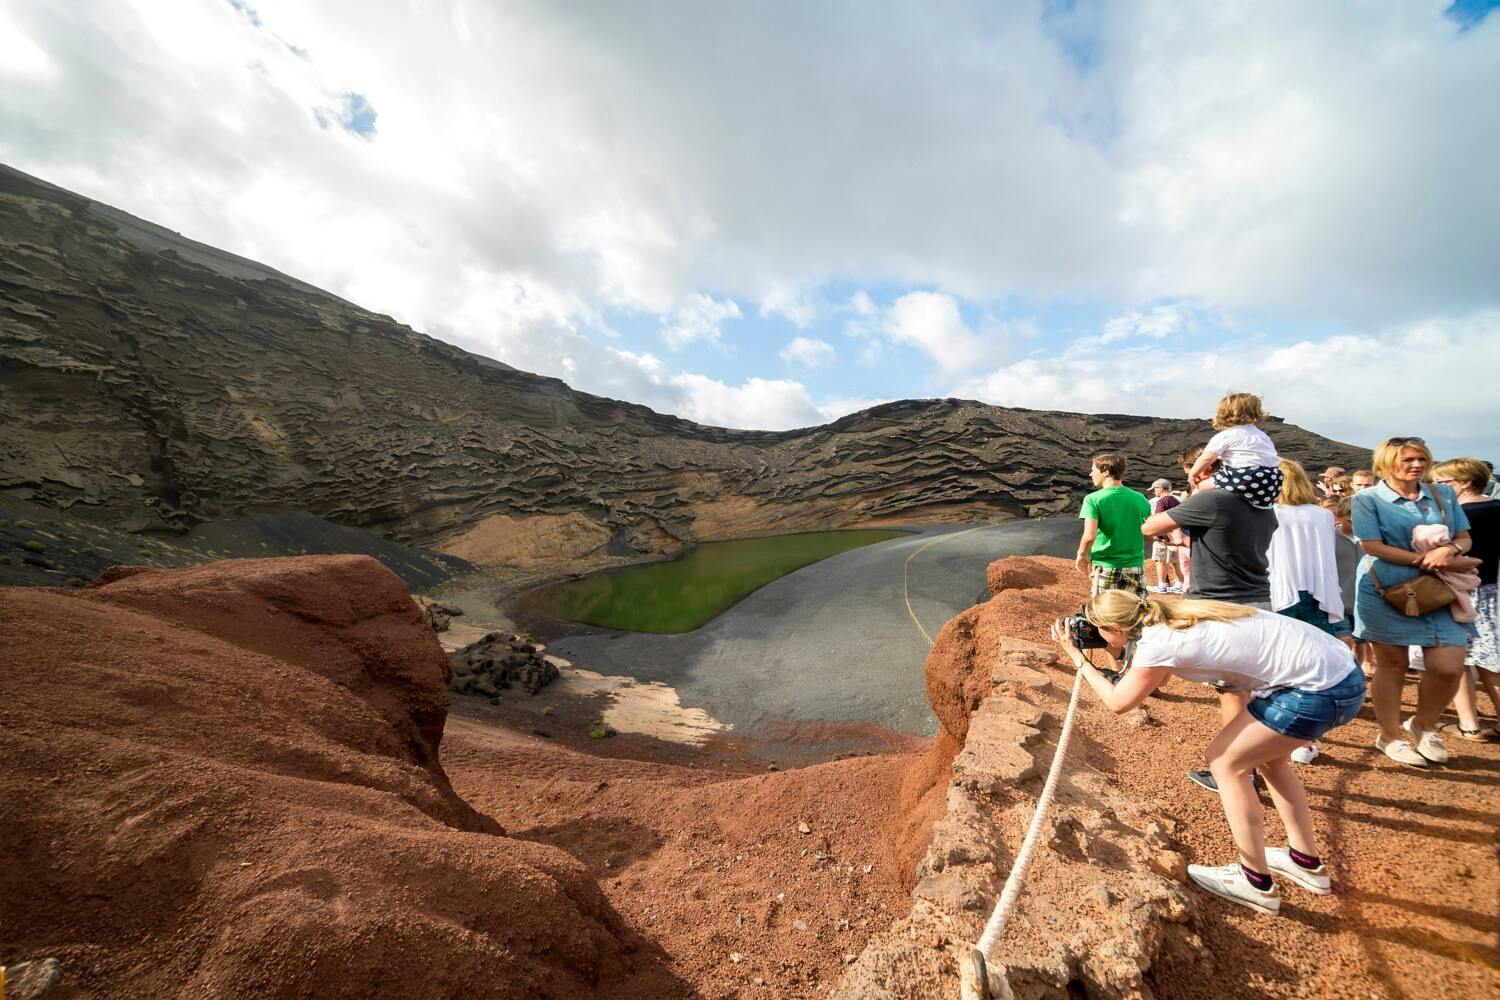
point(147, 381)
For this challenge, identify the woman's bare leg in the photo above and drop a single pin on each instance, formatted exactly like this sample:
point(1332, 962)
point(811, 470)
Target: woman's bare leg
point(1385, 688)
point(1290, 799)
point(1240, 747)
point(1490, 681)
point(1466, 701)
point(1445, 668)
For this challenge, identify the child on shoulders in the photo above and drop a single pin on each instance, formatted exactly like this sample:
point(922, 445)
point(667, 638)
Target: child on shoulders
point(1250, 465)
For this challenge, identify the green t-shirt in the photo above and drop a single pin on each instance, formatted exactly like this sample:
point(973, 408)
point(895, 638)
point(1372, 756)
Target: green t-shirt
point(1120, 512)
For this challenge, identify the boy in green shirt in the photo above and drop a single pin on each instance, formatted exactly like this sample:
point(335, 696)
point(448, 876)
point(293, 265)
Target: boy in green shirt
point(1112, 551)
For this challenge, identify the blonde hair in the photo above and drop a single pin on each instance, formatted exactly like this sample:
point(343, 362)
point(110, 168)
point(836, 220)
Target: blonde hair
point(1344, 509)
point(1296, 488)
point(1238, 408)
point(1362, 472)
point(1464, 470)
point(1124, 609)
point(1383, 462)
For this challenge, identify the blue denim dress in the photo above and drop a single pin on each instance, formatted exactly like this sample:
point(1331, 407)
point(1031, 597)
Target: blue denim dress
point(1383, 515)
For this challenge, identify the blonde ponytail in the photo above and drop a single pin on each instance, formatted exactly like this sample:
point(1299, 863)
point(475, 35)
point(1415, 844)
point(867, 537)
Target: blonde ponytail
point(1126, 610)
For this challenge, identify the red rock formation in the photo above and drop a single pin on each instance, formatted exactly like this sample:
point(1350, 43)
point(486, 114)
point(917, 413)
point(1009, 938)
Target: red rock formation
point(223, 781)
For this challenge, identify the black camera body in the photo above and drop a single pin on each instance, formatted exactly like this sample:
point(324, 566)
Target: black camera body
point(1084, 633)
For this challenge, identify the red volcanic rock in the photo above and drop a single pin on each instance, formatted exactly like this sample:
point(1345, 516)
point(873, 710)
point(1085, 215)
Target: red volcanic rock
point(1032, 591)
point(1027, 573)
point(223, 781)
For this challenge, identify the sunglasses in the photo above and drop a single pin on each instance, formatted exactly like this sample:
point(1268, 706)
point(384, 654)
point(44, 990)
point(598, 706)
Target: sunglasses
point(1408, 440)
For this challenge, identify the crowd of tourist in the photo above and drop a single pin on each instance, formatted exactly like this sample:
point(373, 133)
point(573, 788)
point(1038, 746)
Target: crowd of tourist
point(1297, 599)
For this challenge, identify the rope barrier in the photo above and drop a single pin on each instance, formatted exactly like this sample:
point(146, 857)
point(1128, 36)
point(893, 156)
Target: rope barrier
point(976, 987)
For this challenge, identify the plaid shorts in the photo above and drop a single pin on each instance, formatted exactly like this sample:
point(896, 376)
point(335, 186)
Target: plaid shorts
point(1102, 578)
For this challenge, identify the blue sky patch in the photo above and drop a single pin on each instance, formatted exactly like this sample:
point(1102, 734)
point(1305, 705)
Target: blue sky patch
point(354, 114)
point(1469, 13)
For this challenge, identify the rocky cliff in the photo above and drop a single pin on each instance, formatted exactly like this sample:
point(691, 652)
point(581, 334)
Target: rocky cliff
point(153, 383)
point(224, 781)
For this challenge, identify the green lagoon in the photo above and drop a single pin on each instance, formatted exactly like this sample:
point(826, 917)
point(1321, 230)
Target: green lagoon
point(680, 595)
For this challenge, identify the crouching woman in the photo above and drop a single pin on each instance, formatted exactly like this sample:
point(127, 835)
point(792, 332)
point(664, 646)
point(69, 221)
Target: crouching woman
point(1303, 682)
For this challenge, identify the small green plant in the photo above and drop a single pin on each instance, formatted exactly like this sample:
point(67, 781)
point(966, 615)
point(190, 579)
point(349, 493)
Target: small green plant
point(32, 545)
point(23, 523)
point(3, 522)
point(4, 560)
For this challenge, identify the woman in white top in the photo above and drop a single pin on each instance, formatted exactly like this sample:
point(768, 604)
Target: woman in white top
point(1304, 565)
point(1303, 561)
point(1303, 682)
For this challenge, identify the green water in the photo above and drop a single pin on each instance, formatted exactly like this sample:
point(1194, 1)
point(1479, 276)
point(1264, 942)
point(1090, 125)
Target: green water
point(680, 595)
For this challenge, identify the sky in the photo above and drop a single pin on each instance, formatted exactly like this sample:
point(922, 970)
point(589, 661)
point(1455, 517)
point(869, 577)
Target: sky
point(770, 214)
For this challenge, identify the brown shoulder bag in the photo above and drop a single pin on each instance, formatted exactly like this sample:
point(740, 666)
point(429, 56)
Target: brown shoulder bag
point(1423, 592)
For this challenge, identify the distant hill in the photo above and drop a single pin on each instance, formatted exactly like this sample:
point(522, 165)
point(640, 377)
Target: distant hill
point(148, 382)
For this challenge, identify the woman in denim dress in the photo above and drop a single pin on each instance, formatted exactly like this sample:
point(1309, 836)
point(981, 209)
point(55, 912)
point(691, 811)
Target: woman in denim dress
point(1384, 517)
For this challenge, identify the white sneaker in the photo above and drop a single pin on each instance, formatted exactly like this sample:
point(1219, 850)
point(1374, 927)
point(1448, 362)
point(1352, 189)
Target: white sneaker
point(1401, 751)
point(1305, 755)
point(1429, 743)
point(1229, 882)
point(1314, 880)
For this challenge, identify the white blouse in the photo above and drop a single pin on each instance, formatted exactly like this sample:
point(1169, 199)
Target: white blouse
point(1303, 557)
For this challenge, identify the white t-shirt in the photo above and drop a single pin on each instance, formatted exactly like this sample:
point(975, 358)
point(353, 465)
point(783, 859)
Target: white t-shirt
point(1243, 447)
point(1259, 654)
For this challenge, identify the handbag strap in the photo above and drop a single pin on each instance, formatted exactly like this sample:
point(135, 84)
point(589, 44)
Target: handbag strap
point(1441, 509)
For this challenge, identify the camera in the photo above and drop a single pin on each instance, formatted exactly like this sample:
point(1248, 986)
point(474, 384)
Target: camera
point(1083, 633)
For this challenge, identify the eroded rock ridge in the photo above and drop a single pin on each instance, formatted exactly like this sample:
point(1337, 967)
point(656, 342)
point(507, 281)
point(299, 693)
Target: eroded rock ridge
point(150, 382)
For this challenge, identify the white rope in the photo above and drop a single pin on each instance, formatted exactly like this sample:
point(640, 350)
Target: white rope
point(1013, 882)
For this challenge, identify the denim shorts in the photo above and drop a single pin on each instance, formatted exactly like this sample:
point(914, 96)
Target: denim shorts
point(1307, 715)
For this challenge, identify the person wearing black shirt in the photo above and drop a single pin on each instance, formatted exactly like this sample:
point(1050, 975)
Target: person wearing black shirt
point(1468, 477)
point(1230, 544)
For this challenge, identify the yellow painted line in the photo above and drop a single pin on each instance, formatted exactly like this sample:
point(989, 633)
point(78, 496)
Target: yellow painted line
point(905, 593)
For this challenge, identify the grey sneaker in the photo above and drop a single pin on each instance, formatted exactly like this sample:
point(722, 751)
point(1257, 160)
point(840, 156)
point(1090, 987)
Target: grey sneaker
point(1429, 743)
point(1229, 882)
point(1205, 779)
point(1314, 880)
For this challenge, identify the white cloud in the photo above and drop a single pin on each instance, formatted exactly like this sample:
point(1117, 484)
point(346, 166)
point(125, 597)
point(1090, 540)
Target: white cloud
point(1351, 387)
point(832, 409)
point(808, 353)
point(536, 166)
point(1157, 322)
point(798, 305)
point(762, 404)
point(19, 55)
point(698, 317)
point(931, 322)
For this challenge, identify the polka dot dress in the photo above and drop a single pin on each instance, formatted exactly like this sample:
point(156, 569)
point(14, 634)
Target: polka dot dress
point(1258, 484)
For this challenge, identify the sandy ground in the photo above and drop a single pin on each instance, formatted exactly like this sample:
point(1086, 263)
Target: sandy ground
point(708, 859)
point(1414, 852)
point(1416, 907)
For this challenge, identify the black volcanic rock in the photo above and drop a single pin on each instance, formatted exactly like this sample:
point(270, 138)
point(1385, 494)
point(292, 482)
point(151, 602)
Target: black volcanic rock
point(149, 382)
